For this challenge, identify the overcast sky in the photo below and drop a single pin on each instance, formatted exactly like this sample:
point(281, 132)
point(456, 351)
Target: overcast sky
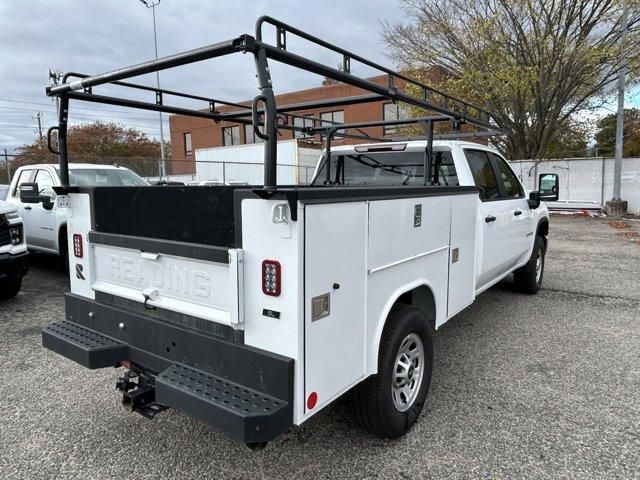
point(93, 36)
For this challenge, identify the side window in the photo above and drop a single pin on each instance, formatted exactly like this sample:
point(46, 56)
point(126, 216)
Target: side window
point(483, 175)
point(507, 178)
point(24, 177)
point(45, 183)
point(447, 175)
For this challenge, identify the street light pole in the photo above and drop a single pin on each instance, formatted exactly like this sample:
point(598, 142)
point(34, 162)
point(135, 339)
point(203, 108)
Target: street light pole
point(163, 167)
point(616, 207)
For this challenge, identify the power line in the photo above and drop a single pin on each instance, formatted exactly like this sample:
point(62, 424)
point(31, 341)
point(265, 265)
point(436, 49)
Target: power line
point(74, 108)
point(53, 112)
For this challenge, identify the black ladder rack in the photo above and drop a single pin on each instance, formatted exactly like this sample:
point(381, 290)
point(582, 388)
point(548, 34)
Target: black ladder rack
point(263, 113)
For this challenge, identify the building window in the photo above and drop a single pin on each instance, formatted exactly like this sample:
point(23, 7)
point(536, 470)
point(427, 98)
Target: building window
point(231, 136)
point(305, 121)
point(329, 118)
point(188, 149)
point(250, 135)
point(393, 111)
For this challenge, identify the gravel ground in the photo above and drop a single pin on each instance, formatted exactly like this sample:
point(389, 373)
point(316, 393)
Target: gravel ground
point(544, 386)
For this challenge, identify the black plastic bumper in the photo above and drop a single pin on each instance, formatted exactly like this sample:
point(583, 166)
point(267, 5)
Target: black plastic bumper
point(13, 267)
point(241, 390)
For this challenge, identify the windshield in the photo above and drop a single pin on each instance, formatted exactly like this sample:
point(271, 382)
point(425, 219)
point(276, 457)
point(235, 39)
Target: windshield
point(388, 169)
point(104, 177)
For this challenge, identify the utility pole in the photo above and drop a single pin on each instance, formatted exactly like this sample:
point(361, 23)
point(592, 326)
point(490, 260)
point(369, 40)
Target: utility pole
point(6, 162)
point(152, 5)
point(38, 118)
point(617, 207)
point(54, 77)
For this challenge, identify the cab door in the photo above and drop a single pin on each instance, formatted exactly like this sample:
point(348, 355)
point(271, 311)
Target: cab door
point(24, 209)
point(519, 215)
point(40, 229)
point(494, 220)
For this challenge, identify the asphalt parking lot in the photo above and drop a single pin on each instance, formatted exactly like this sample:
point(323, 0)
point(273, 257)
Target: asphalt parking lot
point(544, 386)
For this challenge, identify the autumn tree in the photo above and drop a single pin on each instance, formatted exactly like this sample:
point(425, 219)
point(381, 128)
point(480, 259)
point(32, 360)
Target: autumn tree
point(102, 139)
point(100, 142)
point(534, 64)
point(606, 134)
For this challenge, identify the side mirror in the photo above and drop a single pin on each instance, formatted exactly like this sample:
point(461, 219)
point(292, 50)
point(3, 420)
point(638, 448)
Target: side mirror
point(548, 187)
point(534, 200)
point(29, 193)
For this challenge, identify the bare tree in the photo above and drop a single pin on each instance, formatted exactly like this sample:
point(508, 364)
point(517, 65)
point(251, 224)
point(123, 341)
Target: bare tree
point(532, 63)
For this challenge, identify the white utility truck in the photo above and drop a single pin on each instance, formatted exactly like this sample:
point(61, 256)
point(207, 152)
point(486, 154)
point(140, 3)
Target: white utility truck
point(13, 251)
point(45, 223)
point(254, 307)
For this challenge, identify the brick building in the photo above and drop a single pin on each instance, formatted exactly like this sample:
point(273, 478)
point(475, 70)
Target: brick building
point(191, 133)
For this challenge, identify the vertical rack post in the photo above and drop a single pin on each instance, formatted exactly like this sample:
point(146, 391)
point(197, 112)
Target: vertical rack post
point(63, 160)
point(327, 153)
point(428, 154)
point(270, 120)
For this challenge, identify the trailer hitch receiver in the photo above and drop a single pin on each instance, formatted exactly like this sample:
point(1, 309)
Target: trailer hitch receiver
point(140, 396)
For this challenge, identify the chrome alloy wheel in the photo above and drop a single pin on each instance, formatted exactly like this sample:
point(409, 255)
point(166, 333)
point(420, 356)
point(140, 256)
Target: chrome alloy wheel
point(407, 374)
point(539, 265)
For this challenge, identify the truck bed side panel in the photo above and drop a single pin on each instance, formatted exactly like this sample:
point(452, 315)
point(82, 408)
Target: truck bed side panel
point(405, 252)
point(463, 251)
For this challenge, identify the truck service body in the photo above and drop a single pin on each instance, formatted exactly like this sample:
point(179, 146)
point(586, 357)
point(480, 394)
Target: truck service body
point(253, 307)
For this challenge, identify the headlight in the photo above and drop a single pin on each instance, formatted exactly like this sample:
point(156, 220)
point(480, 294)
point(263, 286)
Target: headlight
point(15, 234)
point(11, 216)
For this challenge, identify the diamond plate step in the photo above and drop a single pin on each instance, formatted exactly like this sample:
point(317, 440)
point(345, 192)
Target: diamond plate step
point(83, 345)
point(245, 414)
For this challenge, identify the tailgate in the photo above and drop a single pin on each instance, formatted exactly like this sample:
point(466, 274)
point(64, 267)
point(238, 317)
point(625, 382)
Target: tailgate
point(192, 279)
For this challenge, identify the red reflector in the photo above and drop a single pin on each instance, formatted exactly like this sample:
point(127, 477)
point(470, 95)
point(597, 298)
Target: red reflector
point(77, 245)
point(312, 400)
point(271, 272)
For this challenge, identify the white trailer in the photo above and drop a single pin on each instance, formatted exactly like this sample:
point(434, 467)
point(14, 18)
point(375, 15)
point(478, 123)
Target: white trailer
point(244, 163)
point(252, 308)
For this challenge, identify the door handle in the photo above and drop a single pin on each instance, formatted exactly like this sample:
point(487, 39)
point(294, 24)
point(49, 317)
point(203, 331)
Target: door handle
point(490, 218)
point(517, 212)
point(28, 207)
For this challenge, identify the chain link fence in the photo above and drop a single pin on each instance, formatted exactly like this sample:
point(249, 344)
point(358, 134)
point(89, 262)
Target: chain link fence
point(177, 171)
point(144, 166)
point(584, 182)
point(230, 172)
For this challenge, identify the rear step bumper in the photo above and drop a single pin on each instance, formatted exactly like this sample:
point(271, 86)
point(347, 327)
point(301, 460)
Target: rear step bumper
point(241, 390)
point(82, 345)
point(245, 414)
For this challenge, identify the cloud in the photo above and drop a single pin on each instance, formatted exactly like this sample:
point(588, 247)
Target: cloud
point(94, 36)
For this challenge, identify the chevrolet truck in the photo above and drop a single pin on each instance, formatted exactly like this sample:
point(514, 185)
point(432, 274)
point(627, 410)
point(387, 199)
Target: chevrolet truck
point(253, 307)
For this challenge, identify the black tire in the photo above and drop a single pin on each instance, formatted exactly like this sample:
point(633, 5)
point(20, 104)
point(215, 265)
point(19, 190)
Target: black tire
point(372, 401)
point(10, 289)
point(525, 278)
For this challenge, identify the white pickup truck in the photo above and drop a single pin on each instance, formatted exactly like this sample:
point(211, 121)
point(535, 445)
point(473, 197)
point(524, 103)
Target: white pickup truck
point(13, 251)
point(252, 308)
point(45, 223)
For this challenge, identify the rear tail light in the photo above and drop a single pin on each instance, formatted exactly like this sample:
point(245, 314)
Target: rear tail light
point(77, 245)
point(271, 273)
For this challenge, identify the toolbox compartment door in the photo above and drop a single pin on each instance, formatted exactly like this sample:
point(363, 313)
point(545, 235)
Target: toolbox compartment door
point(335, 271)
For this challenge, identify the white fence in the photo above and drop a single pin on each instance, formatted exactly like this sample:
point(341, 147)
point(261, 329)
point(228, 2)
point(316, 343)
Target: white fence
point(584, 182)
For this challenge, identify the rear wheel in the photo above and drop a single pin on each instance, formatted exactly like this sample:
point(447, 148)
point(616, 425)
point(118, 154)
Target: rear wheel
point(389, 403)
point(10, 289)
point(528, 279)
